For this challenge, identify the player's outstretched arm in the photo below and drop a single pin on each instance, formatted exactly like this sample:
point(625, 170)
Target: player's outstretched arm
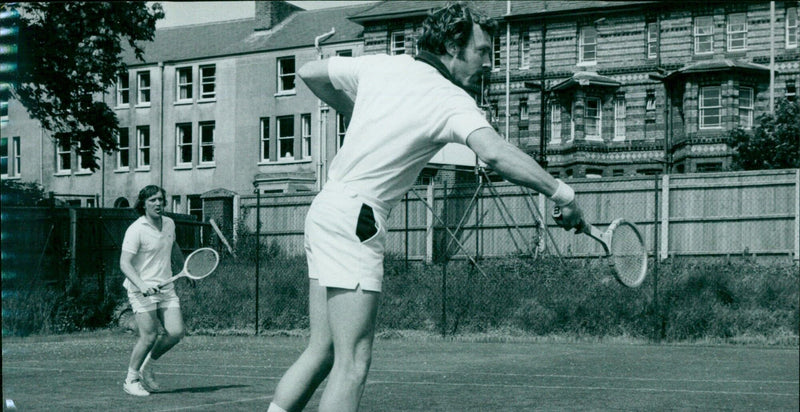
point(519, 168)
point(315, 76)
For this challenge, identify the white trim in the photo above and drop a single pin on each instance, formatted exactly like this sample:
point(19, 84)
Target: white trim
point(701, 108)
point(731, 32)
point(709, 35)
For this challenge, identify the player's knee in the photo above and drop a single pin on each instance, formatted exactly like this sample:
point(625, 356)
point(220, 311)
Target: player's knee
point(176, 333)
point(148, 337)
point(359, 366)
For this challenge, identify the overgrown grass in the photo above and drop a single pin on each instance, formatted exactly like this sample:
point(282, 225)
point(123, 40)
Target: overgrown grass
point(739, 302)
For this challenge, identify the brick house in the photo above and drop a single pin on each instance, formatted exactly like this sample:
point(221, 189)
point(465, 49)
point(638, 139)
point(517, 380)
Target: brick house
point(633, 87)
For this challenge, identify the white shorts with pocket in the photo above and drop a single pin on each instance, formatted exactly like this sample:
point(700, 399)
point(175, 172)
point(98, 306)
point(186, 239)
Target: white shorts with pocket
point(345, 239)
point(140, 303)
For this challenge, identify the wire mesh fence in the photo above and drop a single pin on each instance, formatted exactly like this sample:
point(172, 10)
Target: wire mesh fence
point(465, 257)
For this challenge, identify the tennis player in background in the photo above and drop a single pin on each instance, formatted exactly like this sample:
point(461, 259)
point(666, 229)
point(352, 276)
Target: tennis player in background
point(402, 111)
point(148, 251)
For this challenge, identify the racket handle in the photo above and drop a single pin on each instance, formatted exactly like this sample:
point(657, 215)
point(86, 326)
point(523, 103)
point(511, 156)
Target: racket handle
point(579, 228)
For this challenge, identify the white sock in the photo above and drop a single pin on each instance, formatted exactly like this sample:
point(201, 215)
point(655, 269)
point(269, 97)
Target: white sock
point(275, 408)
point(133, 375)
point(148, 362)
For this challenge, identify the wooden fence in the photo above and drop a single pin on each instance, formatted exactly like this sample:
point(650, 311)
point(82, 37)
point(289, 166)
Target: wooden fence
point(697, 215)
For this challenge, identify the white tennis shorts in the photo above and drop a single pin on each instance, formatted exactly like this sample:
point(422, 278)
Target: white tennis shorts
point(345, 239)
point(140, 303)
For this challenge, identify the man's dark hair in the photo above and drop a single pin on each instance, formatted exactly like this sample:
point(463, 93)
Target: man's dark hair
point(146, 193)
point(452, 23)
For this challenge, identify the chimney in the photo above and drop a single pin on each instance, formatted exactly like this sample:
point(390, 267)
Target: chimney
point(270, 13)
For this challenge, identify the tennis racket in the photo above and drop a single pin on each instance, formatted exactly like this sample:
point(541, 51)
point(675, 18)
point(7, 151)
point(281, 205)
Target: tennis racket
point(624, 248)
point(199, 264)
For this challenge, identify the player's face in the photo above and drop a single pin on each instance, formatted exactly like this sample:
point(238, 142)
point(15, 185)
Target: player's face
point(473, 60)
point(154, 205)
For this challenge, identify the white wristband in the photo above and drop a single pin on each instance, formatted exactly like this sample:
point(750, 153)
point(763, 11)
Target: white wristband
point(564, 194)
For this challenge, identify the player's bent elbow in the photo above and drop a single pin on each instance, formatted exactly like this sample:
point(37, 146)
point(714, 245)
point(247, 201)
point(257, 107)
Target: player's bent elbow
point(312, 70)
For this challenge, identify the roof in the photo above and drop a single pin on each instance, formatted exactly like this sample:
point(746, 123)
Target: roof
point(718, 65)
point(233, 37)
point(386, 10)
point(582, 79)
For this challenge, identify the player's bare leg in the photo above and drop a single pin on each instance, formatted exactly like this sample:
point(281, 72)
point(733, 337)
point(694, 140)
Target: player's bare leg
point(310, 369)
point(147, 323)
point(351, 316)
point(172, 319)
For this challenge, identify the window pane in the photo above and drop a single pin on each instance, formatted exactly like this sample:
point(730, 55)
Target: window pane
point(207, 143)
point(286, 74)
point(4, 155)
point(208, 79)
point(286, 137)
point(264, 139)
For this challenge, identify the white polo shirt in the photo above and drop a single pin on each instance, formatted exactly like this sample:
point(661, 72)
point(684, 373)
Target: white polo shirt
point(151, 249)
point(405, 112)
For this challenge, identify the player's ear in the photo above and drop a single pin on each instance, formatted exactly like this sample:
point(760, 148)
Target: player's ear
point(452, 48)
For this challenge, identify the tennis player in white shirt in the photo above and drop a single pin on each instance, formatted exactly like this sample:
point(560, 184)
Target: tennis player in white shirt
point(402, 111)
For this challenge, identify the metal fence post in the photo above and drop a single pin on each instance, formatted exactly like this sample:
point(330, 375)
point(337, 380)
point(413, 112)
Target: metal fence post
point(406, 234)
point(656, 307)
point(258, 249)
point(429, 224)
point(73, 249)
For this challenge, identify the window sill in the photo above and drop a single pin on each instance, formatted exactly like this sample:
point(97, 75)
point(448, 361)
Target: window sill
point(209, 100)
point(284, 162)
point(122, 107)
point(83, 173)
point(62, 173)
point(587, 64)
point(143, 106)
point(122, 170)
point(183, 102)
point(142, 169)
point(206, 166)
point(286, 93)
point(182, 167)
point(593, 138)
point(6, 177)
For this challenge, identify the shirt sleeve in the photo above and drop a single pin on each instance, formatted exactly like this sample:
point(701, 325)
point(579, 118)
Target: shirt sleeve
point(343, 72)
point(130, 243)
point(465, 119)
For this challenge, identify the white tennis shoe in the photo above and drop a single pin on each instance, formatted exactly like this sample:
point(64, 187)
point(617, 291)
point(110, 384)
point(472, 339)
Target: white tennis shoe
point(135, 388)
point(149, 380)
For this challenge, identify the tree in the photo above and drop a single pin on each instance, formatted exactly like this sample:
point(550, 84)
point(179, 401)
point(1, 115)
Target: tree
point(15, 193)
point(773, 144)
point(69, 53)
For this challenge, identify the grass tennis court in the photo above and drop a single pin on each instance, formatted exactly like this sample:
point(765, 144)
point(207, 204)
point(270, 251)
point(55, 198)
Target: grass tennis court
point(207, 373)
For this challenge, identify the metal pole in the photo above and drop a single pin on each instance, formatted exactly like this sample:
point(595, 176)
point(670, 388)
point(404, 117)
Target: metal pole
point(406, 233)
point(258, 249)
point(656, 311)
point(543, 103)
point(771, 57)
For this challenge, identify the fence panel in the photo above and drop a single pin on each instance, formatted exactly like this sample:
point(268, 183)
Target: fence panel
point(712, 214)
point(744, 213)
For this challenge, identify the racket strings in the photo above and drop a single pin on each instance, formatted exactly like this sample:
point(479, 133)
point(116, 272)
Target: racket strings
point(201, 264)
point(628, 254)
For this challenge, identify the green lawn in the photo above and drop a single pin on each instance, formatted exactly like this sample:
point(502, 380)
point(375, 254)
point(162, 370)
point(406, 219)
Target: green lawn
point(205, 373)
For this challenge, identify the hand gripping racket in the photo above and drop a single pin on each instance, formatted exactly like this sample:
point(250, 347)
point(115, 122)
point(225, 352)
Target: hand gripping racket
point(624, 247)
point(198, 265)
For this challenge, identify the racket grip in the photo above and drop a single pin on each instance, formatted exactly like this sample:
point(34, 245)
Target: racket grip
point(580, 227)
